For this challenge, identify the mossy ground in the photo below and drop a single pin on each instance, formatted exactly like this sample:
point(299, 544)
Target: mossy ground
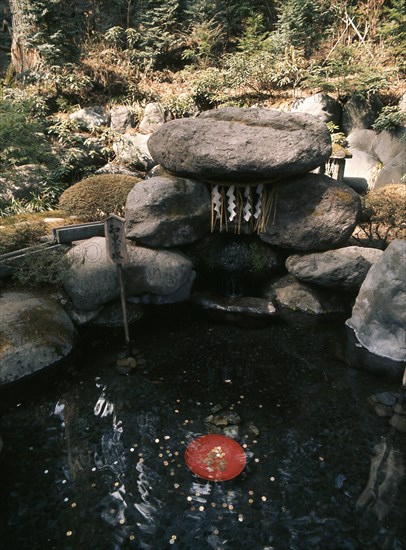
point(24, 230)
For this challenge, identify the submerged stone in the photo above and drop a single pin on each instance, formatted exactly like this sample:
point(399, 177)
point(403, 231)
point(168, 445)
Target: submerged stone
point(245, 305)
point(398, 421)
point(35, 333)
point(295, 297)
point(379, 315)
point(232, 431)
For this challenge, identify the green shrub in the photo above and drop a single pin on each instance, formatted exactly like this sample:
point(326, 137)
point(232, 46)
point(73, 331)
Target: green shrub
point(336, 136)
point(96, 197)
point(22, 140)
point(391, 119)
point(180, 106)
point(207, 87)
point(383, 216)
point(347, 72)
point(388, 205)
point(265, 70)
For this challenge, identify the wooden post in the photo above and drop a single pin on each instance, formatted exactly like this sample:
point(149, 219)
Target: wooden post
point(117, 252)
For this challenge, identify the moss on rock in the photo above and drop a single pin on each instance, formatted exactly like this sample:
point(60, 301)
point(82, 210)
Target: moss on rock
point(96, 197)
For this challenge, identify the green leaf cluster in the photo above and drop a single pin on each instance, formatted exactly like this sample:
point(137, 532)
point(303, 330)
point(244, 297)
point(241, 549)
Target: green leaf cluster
point(22, 139)
point(391, 119)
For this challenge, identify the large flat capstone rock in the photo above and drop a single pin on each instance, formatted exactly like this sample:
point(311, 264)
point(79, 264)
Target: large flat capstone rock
point(166, 211)
point(313, 212)
point(35, 333)
point(379, 314)
point(241, 145)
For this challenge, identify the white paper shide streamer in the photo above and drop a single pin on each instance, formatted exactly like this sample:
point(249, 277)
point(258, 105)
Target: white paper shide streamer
point(231, 207)
point(247, 212)
point(258, 205)
point(217, 200)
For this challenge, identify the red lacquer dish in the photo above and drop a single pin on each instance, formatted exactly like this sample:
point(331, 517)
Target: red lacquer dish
point(215, 457)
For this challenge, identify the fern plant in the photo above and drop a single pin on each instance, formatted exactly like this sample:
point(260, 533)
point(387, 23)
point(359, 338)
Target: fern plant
point(22, 139)
point(391, 119)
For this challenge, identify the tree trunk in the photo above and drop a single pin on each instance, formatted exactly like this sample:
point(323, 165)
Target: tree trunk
point(23, 57)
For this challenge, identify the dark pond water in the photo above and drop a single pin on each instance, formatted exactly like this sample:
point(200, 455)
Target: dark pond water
point(95, 459)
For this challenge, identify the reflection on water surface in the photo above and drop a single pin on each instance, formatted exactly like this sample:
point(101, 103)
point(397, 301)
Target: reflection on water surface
point(96, 460)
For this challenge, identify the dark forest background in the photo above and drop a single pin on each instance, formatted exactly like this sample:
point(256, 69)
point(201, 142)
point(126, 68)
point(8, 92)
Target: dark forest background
point(60, 55)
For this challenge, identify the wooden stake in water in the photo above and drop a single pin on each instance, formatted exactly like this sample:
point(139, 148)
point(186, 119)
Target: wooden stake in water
point(117, 252)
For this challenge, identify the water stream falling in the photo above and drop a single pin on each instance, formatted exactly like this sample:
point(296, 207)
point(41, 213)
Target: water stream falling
point(95, 459)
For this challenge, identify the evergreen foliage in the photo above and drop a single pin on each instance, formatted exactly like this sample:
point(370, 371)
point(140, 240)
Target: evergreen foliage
point(57, 28)
point(300, 24)
point(393, 26)
point(188, 54)
point(391, 119)
point(18, 126)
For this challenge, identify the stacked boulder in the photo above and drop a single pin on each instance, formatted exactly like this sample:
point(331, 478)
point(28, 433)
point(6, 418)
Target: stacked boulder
point(234, 196)
point(235, 187)
point(377, 158)
point(234, 218)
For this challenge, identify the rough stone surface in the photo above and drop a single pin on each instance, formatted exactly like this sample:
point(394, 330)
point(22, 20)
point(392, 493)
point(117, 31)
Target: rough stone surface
point(158, 272)
point(359, 112)
point(79, 316)
point(111, 315)
point(181, 294)
point(154, 117)
point(167, 211)
point(360, 170)
point(344, 268)
point(320, 105)
point(246, 305)
point(91, 280)
point(241, 145)
point(26, 179)
point(362, 140)
point(117, 168)
point(90, 116)
point(313, 212)
point(240, 255)
point(297, 297)
point(389, 145)
point(35, 333)
point(392, 172)
point(133, 150)
point(157, 170)
point(379, 314)
point(121, 119)
point(402, 103)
